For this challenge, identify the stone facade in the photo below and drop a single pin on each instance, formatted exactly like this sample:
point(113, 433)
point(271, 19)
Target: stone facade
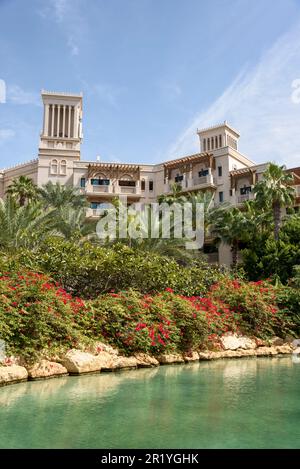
point(219, 167)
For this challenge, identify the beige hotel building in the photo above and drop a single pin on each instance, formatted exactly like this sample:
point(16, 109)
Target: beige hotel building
point(219, 167)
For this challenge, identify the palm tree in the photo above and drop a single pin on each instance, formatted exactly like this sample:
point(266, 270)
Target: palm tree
point(230, 226)
point(274, 191)
point(175, 196)
point(143, 238)
point(23, 189)
point(72, 224)
point(24, 226)
point(58, 196)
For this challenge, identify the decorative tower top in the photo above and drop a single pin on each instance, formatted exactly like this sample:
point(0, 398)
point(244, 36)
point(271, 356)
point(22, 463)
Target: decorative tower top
point(62, 127)
point(218, 136)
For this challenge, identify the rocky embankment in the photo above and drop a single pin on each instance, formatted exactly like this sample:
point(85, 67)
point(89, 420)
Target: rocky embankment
point(104, 358)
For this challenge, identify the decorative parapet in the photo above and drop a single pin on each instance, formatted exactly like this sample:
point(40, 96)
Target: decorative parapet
point(60, 93)
point(19, 165)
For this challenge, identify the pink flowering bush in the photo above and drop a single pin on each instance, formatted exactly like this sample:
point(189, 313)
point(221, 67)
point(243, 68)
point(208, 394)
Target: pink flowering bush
point(253, 305)
point(144, 323)
point(37, 315)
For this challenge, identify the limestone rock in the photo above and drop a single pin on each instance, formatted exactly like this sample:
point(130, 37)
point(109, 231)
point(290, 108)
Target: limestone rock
point(166, 359)
point(125, 363)
point(234, 342)
point(106, 361)
point(100, 347)
point(284, 348)
point(46, 369)
point(266, 351)
point(145, 361)
point(12, 374)
point(205, 356)
point(191, 357)
point(78, 362)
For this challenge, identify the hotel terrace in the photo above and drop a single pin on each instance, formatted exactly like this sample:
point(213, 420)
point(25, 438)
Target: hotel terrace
point(219, 167)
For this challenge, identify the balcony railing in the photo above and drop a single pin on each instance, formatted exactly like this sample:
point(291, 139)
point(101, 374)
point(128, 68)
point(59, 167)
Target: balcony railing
point(127, 190)
point(93, 212)
point(101, 189)
point(189, 183)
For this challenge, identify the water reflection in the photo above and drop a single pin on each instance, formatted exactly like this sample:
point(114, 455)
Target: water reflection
point(226, 403)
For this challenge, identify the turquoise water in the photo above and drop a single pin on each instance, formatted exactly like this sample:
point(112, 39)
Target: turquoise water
point(245, 403)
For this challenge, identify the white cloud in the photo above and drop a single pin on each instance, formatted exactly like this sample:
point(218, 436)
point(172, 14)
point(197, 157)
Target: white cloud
point(258, 103)
point(68, 16)
point(60, 8)
point(16, 95)
point(6, 134)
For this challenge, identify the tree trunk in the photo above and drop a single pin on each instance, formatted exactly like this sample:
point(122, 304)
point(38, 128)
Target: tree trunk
point(234, 251)
point(277, 220)
point(22, 200)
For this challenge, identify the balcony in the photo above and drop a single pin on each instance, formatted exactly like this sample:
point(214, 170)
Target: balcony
point(93, 212)
point(95, 189)
point(188, 184)
point(127, 190)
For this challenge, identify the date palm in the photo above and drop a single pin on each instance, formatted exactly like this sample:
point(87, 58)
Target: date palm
point(23, 189)
point(71, 223)
point(24, 226)
point(275, 191)
point(230, 226)
point(59, 196)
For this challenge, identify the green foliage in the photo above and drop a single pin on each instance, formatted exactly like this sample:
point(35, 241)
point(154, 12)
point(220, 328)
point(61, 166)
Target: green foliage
point(274, 191)
point(24, 226)
point(90, 270)
point(23, 190)
point(150, 324)
point(36, 315)
point(288, 299)
point(256, 305)
point(61, 196)
point(265, 257)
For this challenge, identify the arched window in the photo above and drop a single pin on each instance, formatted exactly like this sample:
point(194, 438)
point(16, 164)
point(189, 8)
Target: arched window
point(63, 167)
point(143, 184)
point(54, 167)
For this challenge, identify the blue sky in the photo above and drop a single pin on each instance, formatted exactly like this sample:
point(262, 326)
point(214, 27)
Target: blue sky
point(152, 72)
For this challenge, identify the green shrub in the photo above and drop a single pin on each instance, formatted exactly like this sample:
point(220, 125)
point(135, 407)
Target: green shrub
point(288, 299)
point(256, 305)
point(36, 315)
point(150, 324)
point(90, 270)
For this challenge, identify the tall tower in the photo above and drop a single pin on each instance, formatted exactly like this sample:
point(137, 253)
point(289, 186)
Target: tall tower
point(62, 128)
point(218, 136)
